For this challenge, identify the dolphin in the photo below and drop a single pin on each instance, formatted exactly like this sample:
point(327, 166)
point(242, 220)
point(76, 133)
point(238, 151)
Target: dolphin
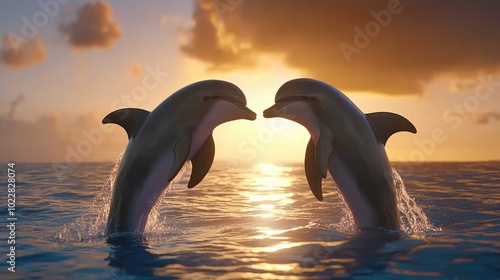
point(161, 141)
point(348, 144)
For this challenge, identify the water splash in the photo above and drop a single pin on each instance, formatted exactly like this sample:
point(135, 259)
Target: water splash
point(412, 217)
point(158, 223)
point(346, 223)
point(91, 227)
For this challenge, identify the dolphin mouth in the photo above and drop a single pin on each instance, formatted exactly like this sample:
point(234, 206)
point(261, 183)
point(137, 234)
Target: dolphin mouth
point(248, 114)
point(274, 111)
point(279, 110)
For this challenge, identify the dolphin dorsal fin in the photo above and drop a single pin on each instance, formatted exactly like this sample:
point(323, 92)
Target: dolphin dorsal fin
point(385, 124)
point(131, 119)
point(202, 161)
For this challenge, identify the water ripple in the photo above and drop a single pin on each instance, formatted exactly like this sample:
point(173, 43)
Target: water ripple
point(260, 222)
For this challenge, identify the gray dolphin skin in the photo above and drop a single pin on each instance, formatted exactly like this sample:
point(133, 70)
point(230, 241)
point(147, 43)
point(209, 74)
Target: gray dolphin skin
point(161, 141)
point(348, 144)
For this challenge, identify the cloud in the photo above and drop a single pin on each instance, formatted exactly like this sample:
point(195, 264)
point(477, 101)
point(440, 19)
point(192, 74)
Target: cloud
point(70, 139)
point(487, 117)
point(30, 141)
point(136, 70)
point(14, 105)
point(205, 44)
point(463, 85)
point(22, 54)
point(396, 46)
point(94, 27)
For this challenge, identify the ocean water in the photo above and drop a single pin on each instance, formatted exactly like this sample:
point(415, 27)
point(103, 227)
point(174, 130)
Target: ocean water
point(260, 222)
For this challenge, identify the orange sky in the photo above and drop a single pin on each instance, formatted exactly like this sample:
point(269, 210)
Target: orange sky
point(64, 67)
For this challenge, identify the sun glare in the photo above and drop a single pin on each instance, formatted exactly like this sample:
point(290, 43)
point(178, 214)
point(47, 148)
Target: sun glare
point(273, 140)
point(277, 247)
point(272, 189)
point(269, 169)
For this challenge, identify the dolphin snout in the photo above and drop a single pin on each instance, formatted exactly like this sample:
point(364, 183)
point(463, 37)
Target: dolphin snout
point(275, 110)
point(248, 114)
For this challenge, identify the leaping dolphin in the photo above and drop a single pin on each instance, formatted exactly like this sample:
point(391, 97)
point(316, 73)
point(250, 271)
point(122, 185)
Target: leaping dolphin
point(349, 144)
point(161, 141)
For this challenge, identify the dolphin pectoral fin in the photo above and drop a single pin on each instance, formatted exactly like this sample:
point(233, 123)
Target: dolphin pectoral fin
point(313, 173)
point(324, 148)
point(202, 162)
point(181, 152)
point(386, 124)
point(131, 119)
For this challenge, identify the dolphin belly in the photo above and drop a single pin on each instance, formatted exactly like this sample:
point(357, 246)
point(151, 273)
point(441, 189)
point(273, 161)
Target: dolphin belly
point(154, 185)
point(129, 213)
point(362, 211)
point(179, 129)
point(348, 144)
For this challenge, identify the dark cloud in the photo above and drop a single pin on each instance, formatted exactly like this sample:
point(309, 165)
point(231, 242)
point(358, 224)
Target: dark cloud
point(389, 46)
point(14, 105)
point(487, 117)
point(94, 27)
point(19, 54)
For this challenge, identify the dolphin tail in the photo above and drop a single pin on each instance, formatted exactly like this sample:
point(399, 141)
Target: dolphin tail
point(386, 124)
point(131, 119)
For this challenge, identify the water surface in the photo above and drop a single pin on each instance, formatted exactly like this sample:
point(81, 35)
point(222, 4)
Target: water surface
point(258, 222)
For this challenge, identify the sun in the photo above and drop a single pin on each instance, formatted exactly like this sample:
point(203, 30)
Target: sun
point(273, 140)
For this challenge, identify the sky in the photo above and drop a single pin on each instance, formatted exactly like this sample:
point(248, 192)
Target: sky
point(65, 64)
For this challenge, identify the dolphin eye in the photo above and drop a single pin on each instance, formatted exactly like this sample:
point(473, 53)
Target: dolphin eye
point(312, 98)
point(206, 97)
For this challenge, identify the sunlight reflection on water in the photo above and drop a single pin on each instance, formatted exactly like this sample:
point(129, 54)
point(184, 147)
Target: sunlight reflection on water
point(263, 222)
point(271, 188)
